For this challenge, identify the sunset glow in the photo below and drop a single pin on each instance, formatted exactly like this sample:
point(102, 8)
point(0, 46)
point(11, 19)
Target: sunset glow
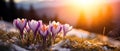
point(88, 6)
point(92, 9)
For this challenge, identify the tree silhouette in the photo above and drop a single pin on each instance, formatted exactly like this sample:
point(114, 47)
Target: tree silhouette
point(12, 10)
point(55, 18)
point(3, 9)
point(32, 14)
point(21, 12)
point(45, 18)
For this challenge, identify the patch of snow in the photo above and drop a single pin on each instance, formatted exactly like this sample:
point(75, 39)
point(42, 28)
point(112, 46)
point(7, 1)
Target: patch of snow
point(12, 30)
point(92, 36)
point(30, 47)
point(14, 38)
point(58, 46)
point(64, 49)
point(79, 33)
point(61, 43)
point(33, 46)
point(17, 48)
point(6, 26)
point(105, 48)
point(115, 43)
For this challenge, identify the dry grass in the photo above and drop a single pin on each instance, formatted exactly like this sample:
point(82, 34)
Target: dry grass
point(82, 44)
point(75, 43)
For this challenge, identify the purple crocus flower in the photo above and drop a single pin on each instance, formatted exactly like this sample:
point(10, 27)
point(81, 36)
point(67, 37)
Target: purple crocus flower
point(20, 24)
point(66, 28)
point(34, 25)
point(54, 28)
point(43, 31)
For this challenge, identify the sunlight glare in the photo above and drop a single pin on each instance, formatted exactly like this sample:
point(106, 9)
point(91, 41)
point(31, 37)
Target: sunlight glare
point(90, 8)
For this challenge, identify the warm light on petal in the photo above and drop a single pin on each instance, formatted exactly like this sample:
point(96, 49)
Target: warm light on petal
point(66, 28)
point(43, 30)
point(54, 28)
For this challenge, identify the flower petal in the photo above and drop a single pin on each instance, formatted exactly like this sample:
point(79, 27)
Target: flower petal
point(27, 28)
point(66, 28)
point(20, 24)
point(43, 30)
point(55, 27)
point(34, 25)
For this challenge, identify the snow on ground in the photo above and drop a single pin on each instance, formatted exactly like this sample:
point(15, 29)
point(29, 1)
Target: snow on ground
point(6, 26)
point(12, 47)
point(17, 48)
point(78, 32)
point(58, 46)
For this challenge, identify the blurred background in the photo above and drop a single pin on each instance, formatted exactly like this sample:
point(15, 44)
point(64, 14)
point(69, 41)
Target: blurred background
point(90, 15)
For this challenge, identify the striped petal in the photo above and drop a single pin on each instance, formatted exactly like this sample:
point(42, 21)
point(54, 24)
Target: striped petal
point(34, 25)
point(27, 28)
point(43, 30)
point(66, 28)
point(54, 28)
point(20, 24)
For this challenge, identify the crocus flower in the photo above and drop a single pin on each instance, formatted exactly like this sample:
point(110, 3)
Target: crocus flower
point(34, 25)
point(66, 28)
point(43, 31)
point(20, 24)
point(54, 28)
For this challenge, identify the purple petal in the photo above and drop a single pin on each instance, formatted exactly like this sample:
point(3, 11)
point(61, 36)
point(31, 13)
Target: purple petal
point(43, 30)
point(60, 29)
point(34, 25)
point(66, 28)
point(27, 28)
point(57, 30)
point(54, 28)
point(20, 24)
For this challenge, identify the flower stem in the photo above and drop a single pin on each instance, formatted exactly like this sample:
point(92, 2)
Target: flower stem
point(21, 34)
point(35, 35)
point(64, 36)
point(44, 43)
